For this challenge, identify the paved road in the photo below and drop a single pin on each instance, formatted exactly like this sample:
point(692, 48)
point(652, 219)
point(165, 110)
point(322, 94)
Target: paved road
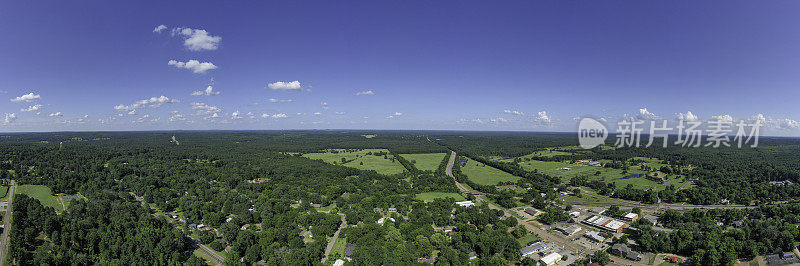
point(449, 172)
point(333, 239)
point(546, 236)
point(6, 224)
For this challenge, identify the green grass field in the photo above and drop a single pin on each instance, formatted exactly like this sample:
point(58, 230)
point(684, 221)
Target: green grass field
point(3, 193)
point(203, 256)
point(338, 248)
point(41, 193)
point(360, 159)
point(527, 239)
point(556, 169)
point(430, 196)
point(425, 161)
point(485, 175)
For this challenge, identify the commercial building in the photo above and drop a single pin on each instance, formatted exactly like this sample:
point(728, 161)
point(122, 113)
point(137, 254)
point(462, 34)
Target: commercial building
point(533, 248)
point(551, 259)
point(467, 203)
point(569, 230)
point(605, 223)
point(594, 236)
point(630, 217)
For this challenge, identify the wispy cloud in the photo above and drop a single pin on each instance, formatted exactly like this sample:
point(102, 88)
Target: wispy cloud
point(209, 91)
point(369, 92)
point(153, 102)
point(160, 28)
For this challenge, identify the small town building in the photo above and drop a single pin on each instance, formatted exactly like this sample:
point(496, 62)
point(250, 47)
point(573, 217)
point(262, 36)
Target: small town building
point(467, 203)
point(605, 223)
point(597, 210)
point(532, 211)
point(624, 251)
point(551, 259)
point(630, 217)
point(782, 258)
point(533, 248)
point(595, 236)
point(569, 230)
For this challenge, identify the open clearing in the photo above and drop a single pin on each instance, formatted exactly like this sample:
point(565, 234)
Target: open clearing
point(3, 193)
point(361, 160)
point(430, 196)
point(425, 161)
point(567, 171)
point(41, 193)
point(483, 174)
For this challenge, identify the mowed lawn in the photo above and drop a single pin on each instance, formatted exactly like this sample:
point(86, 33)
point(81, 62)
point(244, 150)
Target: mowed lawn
point(430, 196)
point(556, 169)
point(425, 161)
point(359, 159)
point(483, 174)
point(41, 193)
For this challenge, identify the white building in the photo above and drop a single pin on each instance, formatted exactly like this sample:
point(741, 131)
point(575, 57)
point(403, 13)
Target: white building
point(467, 203)
point(552, 259)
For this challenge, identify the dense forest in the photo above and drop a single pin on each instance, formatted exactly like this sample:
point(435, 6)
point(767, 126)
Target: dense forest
point(261, 195)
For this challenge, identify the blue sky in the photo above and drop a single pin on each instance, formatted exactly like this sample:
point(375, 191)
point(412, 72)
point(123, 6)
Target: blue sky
point(475, 65)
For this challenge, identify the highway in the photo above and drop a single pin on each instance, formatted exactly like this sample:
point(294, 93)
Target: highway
point(6, 224)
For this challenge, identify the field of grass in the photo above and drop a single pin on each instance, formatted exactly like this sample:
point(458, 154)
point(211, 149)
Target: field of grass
point(338, 248)
point(527, 239)
point(3, 193)
point(425, 161)
point(485, 175)
point(557, 169)
point(203, 256)
point(430, 196)
point(359, 159)
point(41, 193)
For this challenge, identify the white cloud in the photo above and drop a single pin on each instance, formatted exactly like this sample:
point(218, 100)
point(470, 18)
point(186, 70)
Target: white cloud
point(55, 114)
point(10, 118)
point(513, 112)
point(153, 102)
point(369, 92)
point(205, 109)
point(325, 106)
point(194, 65)
point(279, 115)
point(541, 117)
point(27, 97)
point(398, 113)
point(235, 115)
point(688, 116)
point(32, 108)
point(299, 114)
point(177, 117)
point(273, 100)
point(209, 91)
point(725, 118)
point(160, 28)
point(646, 115)
point(286, 86)
point(82, 119)
point(197, 39)
point(339, 113)
point(317, 113)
